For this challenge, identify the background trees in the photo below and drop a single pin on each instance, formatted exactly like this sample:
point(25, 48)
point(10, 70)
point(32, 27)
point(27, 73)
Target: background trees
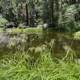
point(62, 14)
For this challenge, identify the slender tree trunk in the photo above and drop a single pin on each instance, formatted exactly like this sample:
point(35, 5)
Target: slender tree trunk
point(27, 16)
point(32, 18)
point(51, 12)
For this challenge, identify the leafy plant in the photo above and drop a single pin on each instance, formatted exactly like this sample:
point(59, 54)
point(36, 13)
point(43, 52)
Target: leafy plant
point(3, 21)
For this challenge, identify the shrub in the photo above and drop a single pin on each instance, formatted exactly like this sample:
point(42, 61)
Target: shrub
point(3, 21)
point(77, 35)
point(69, 22)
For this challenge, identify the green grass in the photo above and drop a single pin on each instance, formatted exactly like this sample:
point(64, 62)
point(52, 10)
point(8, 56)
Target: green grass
point(40, 66)
point(19, 67)
point(27, 30)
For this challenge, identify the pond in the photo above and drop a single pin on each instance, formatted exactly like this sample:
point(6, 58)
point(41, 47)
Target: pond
point(58, 43)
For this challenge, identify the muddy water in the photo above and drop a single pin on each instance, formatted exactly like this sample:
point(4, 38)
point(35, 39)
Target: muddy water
point(10, 43)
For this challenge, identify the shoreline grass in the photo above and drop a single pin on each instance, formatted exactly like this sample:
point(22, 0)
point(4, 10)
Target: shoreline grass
point(45, 69)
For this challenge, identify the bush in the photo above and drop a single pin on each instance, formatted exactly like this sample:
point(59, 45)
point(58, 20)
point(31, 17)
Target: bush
point(69, 22)
point(3, 21)
point(77, 35)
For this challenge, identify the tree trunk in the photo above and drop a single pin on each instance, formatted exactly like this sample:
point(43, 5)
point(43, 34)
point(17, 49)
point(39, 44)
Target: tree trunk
point(27, 16)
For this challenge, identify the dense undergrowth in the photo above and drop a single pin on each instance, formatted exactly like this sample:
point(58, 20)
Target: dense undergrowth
point(21, 66)
point(38, 63)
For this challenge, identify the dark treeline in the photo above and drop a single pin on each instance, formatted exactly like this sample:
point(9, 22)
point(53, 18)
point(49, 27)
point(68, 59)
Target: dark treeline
point(63, 15)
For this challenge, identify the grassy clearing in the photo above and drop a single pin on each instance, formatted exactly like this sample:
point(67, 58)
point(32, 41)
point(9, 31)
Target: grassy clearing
point(19, 67)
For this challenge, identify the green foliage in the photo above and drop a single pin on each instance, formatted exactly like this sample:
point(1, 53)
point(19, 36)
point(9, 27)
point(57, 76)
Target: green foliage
point(3, 21)
point(77, 35)
point(61, 15)
point(69, 21)
point(37, 62)
point(27, 31)
point(16, 67)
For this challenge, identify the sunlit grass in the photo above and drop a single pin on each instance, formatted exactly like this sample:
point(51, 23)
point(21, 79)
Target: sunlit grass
point(27, 30)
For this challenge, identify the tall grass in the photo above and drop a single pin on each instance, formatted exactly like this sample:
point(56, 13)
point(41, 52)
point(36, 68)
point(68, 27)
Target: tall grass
point(38, 63)
point(22, 66)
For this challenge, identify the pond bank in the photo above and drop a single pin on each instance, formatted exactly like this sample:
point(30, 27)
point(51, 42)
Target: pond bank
point(12, 40)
